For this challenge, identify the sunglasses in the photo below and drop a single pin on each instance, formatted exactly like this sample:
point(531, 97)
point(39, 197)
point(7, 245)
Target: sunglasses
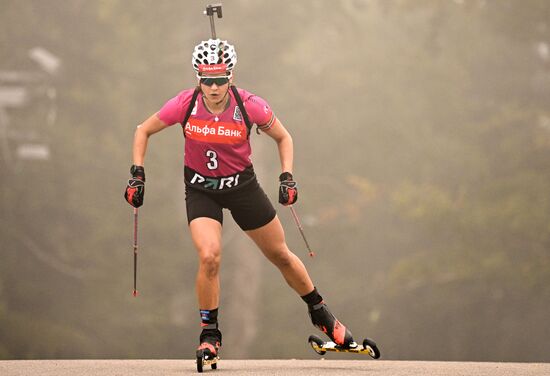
point(219, 80)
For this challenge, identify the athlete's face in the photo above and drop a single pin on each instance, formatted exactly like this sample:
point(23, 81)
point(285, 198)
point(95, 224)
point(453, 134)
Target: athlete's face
point(213, 86)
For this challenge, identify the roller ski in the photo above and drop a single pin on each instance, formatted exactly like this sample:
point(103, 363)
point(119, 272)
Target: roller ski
point(208, 350)
point(341, 337)
point(321, 347)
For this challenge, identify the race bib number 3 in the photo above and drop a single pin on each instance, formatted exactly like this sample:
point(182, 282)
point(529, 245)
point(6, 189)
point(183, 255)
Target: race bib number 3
point(213, 156)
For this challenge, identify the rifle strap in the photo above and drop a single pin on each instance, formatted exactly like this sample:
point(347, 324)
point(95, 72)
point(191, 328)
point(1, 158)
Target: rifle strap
point(190, 108)
point(243, 110)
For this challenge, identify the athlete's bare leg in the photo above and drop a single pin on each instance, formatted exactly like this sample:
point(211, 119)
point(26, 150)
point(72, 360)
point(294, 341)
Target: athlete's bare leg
point(206, 234)
point(271, 240)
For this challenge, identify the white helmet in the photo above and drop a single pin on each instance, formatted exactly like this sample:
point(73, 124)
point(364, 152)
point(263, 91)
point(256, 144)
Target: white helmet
point(214, 55)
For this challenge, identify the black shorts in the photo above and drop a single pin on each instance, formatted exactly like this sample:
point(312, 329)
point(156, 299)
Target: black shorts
point(249, 205)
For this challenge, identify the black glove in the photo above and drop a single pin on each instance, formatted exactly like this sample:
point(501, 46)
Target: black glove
point(288, 189)
point(136, 187)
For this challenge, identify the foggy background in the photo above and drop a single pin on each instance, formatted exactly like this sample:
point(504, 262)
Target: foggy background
point(422, 152)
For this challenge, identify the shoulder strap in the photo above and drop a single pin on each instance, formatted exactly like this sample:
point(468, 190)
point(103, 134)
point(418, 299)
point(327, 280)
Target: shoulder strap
point(243, 110)
point(190, 108)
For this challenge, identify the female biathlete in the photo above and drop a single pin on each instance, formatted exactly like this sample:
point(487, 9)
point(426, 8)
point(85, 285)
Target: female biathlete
point(219, 174)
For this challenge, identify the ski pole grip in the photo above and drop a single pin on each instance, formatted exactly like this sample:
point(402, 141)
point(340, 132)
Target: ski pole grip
point(214, 8)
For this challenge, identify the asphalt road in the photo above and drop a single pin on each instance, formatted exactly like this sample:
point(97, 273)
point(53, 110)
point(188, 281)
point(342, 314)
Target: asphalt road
point(268, 367)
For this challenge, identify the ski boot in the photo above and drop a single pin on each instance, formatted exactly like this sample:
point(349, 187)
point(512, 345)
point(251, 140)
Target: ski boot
point(325, 321)
point(207, 352)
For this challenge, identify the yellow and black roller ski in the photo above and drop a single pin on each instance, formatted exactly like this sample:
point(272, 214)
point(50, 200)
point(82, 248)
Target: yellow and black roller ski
point(321, 347)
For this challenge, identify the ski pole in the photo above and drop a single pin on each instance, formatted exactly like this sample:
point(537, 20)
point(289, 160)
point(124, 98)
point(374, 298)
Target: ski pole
point(135, 249)
point(295, 216)
point(210, 10)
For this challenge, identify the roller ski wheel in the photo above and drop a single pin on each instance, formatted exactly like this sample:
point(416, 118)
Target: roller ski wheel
point(205, 358)
point(370, 346)
point(321, 347)
point(317, 344)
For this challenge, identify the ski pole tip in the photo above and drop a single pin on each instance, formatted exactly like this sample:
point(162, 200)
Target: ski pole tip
point(135, 293)
point(311, 254)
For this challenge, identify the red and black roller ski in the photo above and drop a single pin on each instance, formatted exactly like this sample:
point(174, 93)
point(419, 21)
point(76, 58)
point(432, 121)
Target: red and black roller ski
point(208, 350)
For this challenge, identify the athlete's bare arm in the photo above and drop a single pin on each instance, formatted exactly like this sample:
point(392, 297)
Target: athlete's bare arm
point(141, 136)
point(284, 143)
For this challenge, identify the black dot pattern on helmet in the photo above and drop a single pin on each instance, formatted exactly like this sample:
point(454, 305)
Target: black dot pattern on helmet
point(214, 52)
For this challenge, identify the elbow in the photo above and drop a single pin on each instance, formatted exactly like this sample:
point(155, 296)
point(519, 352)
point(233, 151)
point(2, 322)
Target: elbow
point(288, 139)
point(285, 139)
point(141, 132)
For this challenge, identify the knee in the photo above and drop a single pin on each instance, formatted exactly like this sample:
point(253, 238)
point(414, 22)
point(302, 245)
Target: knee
point(281, 257)
point(209, 259)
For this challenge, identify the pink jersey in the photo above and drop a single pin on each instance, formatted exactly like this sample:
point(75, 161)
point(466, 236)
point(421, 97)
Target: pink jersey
point(216, 145)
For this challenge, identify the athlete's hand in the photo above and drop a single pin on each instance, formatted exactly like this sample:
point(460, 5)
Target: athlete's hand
point(135, 190)
point(288, 189)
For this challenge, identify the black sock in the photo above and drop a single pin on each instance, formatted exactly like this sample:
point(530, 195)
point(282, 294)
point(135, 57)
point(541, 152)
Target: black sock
point(313, 298)
point(209, 318)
